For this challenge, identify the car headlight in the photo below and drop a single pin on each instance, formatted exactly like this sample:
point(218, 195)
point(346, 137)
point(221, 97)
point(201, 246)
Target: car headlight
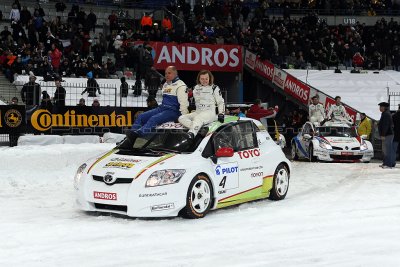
point(325, 144)
point(363, 146)
point(164, 177)
point(78, 174)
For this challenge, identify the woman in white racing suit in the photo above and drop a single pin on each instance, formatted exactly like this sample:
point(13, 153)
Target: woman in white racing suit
point(207, 97)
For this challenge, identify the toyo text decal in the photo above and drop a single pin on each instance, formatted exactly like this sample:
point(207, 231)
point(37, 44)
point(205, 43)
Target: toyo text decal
point(251, 153)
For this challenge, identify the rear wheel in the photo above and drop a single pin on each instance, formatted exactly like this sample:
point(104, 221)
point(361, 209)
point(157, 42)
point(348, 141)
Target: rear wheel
point(294, 152)
point(311, 156)
point(280, 184)
point(198, 198)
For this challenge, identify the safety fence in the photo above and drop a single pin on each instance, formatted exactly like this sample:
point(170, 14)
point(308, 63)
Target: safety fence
point(106, 94)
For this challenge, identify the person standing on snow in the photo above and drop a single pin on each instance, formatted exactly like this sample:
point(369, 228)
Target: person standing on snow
point(174, 103)
point(338, 113)
point(396, 138)
point(365, 126)
point(385, 128)
point(316, 111)
point(207, 97)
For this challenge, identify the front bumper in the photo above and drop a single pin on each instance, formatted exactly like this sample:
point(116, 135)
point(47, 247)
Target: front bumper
point(343, 156)
point(133, 199)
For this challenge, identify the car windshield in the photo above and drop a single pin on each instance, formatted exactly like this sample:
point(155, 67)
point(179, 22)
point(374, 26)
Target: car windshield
point(167, 141)
point(336, 131)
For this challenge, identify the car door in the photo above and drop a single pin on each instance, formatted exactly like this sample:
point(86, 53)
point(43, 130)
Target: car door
point(233, 174)
point(302, 141)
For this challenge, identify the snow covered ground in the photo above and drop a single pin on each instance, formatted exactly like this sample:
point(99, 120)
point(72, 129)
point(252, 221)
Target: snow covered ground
point(334, 215)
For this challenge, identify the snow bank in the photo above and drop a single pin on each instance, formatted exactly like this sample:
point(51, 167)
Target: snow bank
point(43, 140)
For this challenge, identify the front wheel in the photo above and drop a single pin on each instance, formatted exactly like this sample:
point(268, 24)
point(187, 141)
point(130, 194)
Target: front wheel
point(199, 198)
point(280, 184)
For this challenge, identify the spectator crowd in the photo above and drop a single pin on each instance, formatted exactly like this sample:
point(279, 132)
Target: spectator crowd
point(70, 47)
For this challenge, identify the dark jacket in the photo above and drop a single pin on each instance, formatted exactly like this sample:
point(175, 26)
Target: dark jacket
point(124, 89)
point(396, 124)
point(30, 93)
point(385, 125)
point(59, 96)
point(92, 87)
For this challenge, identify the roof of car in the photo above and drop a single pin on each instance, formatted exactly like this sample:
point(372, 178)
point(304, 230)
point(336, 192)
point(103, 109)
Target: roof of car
point(335, 124)
point(212, 125)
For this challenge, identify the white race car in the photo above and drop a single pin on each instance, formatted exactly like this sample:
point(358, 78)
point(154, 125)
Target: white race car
point(168, 173)
point(331, 142)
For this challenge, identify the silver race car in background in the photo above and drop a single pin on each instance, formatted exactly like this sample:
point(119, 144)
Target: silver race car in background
point(331, 142)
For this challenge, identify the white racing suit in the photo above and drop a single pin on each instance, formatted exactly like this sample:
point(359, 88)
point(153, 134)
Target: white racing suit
point(339, 114)
point(316, 113)
point(206, 99)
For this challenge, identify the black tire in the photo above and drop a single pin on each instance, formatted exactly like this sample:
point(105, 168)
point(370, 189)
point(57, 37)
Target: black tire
point(280, 184)
point(294, 155)
point(311, 157)
point(193, 210)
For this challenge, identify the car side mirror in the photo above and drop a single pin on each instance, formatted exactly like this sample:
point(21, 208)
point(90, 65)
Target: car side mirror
point(224, 152)
point(307, 136)
point(364, 136)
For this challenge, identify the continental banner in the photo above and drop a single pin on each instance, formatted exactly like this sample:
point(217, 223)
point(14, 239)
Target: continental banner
point(12, 119)
point(84, 120)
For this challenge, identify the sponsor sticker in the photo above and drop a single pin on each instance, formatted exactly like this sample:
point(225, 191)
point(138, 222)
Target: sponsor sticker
point(153, 194)
point(119, 164)
point(126, 159)
point(257, 174)
point(105, 195)
point(251, 168)
point(251, 153)
point(161, 207)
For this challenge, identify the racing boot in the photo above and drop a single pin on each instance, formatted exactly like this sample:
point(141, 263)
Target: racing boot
point(125, 144)
point(131, 136)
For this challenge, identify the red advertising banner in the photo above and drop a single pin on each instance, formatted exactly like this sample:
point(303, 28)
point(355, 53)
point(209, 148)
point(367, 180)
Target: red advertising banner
point(330, 101)
point(297, 89)
point(250, 59)
point(190, 56)
point(279, 78)
point(264, 68)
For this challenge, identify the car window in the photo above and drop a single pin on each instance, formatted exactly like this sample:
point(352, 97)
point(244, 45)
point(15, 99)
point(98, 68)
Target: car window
point(245, 136)
point(306, 129)
point(225, 138)
point(337, 131)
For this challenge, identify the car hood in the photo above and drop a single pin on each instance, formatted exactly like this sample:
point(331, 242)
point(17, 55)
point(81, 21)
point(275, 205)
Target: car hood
point(341, 140)
point(125, 166)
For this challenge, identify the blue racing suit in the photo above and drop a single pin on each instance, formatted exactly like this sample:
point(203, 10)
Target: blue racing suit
point(174, 103)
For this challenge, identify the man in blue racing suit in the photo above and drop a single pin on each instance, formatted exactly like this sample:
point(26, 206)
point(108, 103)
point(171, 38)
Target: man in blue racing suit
point(174, 103)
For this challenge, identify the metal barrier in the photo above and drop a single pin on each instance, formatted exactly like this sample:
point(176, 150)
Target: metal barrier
point(394, 100)
point(110, 94)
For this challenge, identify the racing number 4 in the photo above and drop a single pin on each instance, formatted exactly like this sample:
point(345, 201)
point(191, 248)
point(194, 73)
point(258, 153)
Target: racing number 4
point(223, 181)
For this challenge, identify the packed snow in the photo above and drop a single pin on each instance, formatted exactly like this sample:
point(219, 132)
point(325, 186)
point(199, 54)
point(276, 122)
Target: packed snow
point(361, 91)
point(335, 214)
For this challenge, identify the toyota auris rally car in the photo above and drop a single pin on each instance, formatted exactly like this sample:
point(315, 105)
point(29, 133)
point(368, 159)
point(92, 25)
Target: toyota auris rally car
point(170, 172)
point(331, 142)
